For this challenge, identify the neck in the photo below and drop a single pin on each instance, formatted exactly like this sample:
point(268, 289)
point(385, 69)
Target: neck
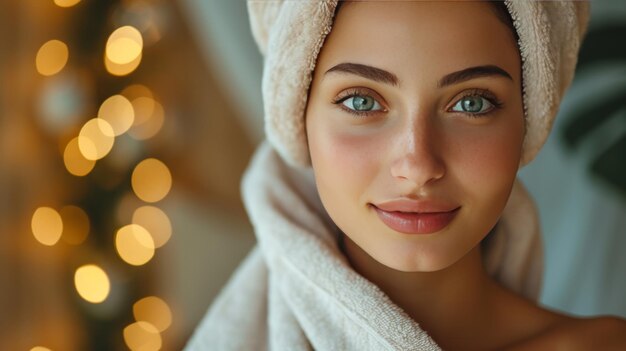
point(444, 302)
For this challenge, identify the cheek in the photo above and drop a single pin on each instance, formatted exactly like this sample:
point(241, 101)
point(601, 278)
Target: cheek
point(344, 163)
point(487, 163)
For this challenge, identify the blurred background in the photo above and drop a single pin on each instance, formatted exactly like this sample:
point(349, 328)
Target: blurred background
point(126, 125)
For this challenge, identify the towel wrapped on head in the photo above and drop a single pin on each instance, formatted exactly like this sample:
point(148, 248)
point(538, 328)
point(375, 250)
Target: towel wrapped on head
point(290, 35)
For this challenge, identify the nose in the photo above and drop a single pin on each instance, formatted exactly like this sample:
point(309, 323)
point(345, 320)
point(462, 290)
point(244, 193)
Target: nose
point(418, 155)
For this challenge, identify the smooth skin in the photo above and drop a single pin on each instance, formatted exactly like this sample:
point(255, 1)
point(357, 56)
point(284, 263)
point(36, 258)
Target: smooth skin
point(422, 101)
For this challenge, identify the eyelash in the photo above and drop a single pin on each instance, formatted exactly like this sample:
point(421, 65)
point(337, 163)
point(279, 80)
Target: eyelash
point(484, 93)
point(354, 93)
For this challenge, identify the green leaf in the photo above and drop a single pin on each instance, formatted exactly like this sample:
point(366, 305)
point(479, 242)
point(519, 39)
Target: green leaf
point(587, 114)
point(603, 44)
point(611, 165)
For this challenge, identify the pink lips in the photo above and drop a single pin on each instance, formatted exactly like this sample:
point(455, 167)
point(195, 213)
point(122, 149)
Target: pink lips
point(416, 217)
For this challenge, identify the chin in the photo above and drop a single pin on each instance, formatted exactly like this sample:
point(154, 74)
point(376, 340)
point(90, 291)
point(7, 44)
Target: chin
point(413, 260)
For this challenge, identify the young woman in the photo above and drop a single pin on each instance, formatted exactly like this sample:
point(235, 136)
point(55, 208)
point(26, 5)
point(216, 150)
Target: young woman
point(386, 208)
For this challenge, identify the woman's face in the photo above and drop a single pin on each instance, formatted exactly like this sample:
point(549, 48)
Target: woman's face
point(415, 128)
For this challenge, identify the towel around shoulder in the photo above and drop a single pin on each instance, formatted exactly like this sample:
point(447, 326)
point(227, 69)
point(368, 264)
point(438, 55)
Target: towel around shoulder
point(296, 290)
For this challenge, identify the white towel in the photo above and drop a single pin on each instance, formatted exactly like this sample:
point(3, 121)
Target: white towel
point(296, 290)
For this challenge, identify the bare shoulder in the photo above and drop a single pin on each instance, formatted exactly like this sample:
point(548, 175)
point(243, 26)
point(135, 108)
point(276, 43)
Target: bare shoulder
point(601, 333)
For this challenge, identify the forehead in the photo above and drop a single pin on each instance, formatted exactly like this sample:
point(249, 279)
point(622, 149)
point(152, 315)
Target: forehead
point(412, 38)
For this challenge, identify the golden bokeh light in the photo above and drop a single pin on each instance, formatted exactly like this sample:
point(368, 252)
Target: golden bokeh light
point(135, 91)
point(40, 348)
point(75, 224)
point(124, 45)
point(74, 161)
point(51, 57)
point(47, 225)
point(96, 139)
point(66, 3)
point(150, 117)
point(134, 244)
point(92, 283)
point(151, 180)
point(118, 111)
point(144, 109)
point(142, 336)
point(153, 310)
point(156, 222)
point(121, 70)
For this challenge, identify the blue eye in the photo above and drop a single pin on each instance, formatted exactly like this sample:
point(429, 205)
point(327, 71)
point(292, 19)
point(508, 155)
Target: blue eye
point(361, 103)
point(473, 104)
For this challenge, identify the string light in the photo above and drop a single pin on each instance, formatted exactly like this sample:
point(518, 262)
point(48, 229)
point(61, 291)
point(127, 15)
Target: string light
point(136, 112)
point(40, 348)
point(142, 336)
point(124, 45)
point(151, 180)
point(144, 109)
point(96, 139)
point(151, 117)
point(74, 161)
point(47, 225)
point(149, 113)
point(123, 51)
point(118, 112)
point(153, 310)
point(134, 244)
point(134, 91)
point(156, 222)
point(66, 3)
point(51, 57)
point(121, 70)
point(92, 283)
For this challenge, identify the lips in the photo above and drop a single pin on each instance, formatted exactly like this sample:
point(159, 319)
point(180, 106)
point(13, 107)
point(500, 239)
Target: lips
point(416, 217)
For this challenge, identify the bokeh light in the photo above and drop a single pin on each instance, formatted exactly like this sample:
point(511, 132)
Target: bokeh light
point(75, 224)
point(135, 91)
point(123, 51)
point(47, 225)
point(121, 70)
point(142, 336)
point(153, 310)
point(92, 283)
point(124, 45)
point(156, 222)
point(150, 117)
point(74, 161)
point(51, 57)
point(149, 113)
point(144, 108)
point(96, 139)
point(40, 348)
point(151, 180)
point(118, 111)
point(134, 244)
point(66, 3)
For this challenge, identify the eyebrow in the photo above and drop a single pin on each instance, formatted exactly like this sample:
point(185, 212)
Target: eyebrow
point(365, 71)
point(382, 76)
point(471, 73)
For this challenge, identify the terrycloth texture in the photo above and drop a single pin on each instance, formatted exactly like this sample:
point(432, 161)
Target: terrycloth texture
point(296, 290)
point(291, 33)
